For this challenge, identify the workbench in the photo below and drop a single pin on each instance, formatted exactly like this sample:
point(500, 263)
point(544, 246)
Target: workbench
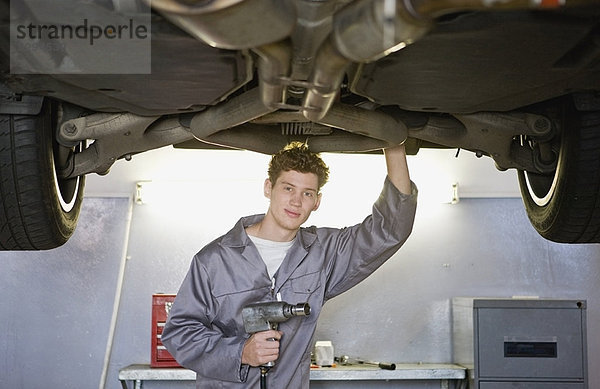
point(443, 376)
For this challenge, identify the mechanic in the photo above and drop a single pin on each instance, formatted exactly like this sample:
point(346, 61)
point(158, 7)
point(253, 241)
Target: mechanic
point(271, 257)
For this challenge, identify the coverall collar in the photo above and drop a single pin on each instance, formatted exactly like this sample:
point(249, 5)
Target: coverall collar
point(237, 237)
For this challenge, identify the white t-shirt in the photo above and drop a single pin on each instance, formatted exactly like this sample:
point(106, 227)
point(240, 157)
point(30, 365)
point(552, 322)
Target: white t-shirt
point(272, 252)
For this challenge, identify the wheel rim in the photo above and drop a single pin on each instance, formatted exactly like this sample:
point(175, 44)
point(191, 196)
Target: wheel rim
point(67, 190)
point(541, 187)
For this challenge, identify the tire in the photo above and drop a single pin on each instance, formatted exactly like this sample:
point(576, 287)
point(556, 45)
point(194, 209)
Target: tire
point(38, 210)
point(564, 206)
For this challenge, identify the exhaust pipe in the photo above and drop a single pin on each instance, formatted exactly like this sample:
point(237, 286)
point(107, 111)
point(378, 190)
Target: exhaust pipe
point(274, 64)
point(364, 31)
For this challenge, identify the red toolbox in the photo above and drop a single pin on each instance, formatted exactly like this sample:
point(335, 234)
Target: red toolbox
point(161, 305)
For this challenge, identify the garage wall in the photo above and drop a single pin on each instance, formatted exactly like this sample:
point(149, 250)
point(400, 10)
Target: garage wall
point(57, 305)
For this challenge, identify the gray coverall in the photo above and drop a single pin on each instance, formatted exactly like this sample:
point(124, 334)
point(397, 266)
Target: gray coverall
point(205, 331)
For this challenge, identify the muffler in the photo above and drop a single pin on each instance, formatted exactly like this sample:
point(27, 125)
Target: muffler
point(231, 24)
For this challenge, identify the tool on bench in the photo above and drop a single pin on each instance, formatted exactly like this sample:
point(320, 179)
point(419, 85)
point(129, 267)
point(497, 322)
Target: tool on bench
point(267, 316)
point(346, 360)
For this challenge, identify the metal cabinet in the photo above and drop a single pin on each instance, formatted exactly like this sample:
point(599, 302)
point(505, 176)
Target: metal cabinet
point(521, 343)
point(531, 385)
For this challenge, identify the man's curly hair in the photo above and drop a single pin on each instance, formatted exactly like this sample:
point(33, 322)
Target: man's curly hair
point(297, 156)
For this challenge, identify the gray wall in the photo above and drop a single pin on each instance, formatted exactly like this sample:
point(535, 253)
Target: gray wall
point(56, 306)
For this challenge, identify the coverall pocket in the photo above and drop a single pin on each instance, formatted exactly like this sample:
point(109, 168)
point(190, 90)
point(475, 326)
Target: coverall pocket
point(306, 284)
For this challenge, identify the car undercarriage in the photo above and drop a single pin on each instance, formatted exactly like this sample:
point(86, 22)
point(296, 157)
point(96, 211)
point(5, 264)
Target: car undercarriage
point(515, 81)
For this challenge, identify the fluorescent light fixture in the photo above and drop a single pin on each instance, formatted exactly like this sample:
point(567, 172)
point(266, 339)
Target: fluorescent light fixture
point(138, 196)
point(455, 197)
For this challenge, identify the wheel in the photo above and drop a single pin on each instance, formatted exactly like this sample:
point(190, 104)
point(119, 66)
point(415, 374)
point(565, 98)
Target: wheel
point(39, 211)
point(564, 206)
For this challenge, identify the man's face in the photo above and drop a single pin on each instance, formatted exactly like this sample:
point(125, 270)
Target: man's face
point(293, 197)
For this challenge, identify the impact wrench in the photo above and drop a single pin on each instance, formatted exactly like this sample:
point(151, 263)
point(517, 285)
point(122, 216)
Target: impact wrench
point(267, 316)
